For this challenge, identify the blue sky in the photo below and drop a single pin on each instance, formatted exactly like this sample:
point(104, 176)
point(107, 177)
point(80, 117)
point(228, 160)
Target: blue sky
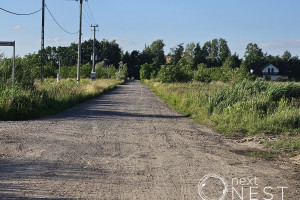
point(273, 24)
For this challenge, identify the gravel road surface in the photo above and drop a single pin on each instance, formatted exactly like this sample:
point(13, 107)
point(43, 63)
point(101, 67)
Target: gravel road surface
point(128, 144)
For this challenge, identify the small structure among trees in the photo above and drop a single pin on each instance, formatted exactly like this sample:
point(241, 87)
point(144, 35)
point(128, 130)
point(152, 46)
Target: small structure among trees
point(271, 72)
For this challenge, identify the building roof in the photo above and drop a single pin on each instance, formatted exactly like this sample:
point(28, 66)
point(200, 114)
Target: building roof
point(282, 67)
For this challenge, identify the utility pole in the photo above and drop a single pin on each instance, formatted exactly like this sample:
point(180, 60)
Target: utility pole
point(94, 42)
point(59, 71)
point(79, 43)
point(43, 41)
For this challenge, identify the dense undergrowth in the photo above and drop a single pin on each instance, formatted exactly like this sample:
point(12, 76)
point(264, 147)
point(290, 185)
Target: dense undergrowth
point(49, 98)
point(246, 108)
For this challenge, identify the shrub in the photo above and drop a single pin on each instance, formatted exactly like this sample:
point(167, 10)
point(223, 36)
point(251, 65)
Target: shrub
point(69, 71)
point(202, 74)
point(122, 73)
point(170, 73)
point(86, 70)
point(146, 70)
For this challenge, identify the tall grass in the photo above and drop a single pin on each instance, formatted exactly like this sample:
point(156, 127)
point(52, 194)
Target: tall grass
point(49, 98)
point(245, 108)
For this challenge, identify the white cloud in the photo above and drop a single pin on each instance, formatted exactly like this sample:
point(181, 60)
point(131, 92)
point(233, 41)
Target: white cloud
point(56, 42)
point(281, 44)
point(125, 42)
point(18, 27)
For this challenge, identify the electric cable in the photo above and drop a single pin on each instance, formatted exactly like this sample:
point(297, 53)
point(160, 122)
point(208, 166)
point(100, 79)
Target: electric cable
point(58, 23)
point(87, 3)
point(87, 14)
point(20, 13)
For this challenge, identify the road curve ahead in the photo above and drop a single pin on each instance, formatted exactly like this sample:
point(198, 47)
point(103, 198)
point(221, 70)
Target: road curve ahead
point(128, 144)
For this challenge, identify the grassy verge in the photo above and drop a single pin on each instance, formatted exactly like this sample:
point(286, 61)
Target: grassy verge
point(49, 98)
point(245, 109)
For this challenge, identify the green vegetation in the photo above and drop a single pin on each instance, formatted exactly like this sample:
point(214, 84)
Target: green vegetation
point(243, 108)
point(49, 98)
point(215, 87)
point(290, 145)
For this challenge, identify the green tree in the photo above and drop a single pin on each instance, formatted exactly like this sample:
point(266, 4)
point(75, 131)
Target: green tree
point(33, 62)
point(224, 51)
point(86, 70)
point(100, 70)
point(145, 71)
point(286, 56)
point(198, 56)
point(68, 55)
point(189, 49)
point(157, 50)
point(110, 52)
point(176, 53)
point(170, 74)
point(202, 74)
point(254, 56)
point(215, 52)
point(133, 61)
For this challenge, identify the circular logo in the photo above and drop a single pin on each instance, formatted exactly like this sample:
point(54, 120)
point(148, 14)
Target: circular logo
point(202, 184)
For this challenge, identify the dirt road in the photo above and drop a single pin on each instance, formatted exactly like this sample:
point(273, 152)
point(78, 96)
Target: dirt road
point(127, 144)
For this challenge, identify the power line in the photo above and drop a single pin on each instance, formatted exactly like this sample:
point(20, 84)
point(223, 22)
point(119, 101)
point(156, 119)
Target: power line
point(84, 15)
point(87, 14)
point(20, 13)
point(58, 23)
point(91, 12)
point(88, 22)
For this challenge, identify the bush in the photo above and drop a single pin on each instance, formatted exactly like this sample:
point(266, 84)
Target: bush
point(169, 74)
point(69, 71)
point(23, 74)
point(146, 70)
point(122, 73)
point(202, 74)
point(105, 72)
point(86, 70)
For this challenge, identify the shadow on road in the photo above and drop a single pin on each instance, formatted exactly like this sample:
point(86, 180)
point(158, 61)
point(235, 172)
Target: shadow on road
point(21, 177)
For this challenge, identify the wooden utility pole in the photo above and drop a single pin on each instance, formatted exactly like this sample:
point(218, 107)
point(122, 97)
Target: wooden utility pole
point(43, 41)
point(79, 43)
point(94, 42)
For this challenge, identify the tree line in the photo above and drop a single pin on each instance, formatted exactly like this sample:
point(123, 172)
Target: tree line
point(214, 61)
point(211, 61)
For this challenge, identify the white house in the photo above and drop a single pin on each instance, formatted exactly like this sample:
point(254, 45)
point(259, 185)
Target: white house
point(270, 72)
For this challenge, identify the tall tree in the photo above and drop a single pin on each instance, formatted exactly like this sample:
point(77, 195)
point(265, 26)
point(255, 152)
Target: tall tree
point(224, 51)
point(254, 56)
point(176, 53)
point(146, 55)
point(110, 52)
point(286, 56)
point(199, 56)
point(213, 56)
point(189, 49)
point(157, 50)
